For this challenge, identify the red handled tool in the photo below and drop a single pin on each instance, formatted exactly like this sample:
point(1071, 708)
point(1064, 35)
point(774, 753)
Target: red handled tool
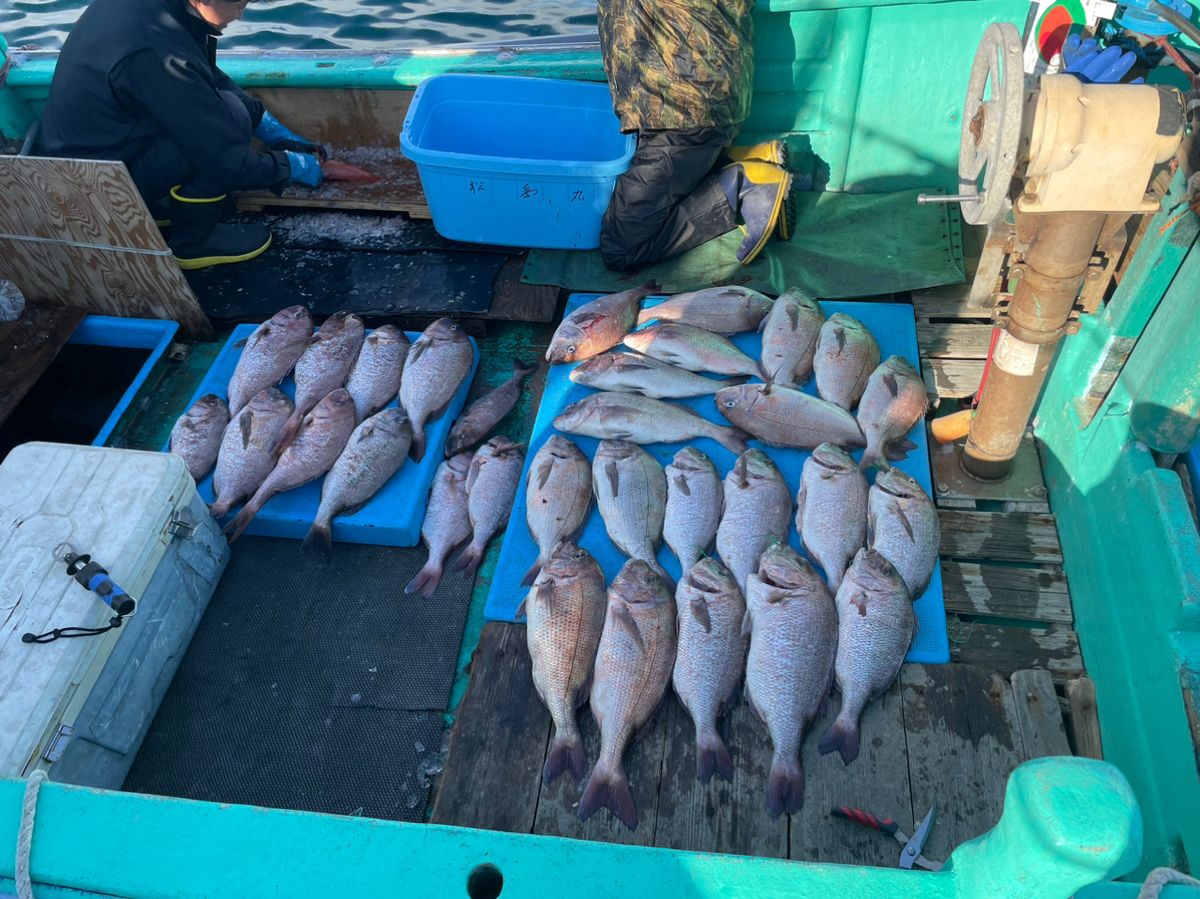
point(910, 854)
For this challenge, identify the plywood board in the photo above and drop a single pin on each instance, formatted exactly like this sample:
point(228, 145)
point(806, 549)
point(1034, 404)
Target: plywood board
point(29, 346)
point(76, 233)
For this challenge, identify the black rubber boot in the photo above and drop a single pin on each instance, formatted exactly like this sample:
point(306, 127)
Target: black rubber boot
point(199, 240)
point(759, 192)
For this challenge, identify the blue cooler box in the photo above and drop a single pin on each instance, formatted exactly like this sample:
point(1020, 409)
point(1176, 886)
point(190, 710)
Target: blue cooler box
point(522, 162)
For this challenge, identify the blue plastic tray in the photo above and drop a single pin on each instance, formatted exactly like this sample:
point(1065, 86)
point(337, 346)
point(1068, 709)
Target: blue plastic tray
point(151, 334)
point(894, 328)
point(392, 518)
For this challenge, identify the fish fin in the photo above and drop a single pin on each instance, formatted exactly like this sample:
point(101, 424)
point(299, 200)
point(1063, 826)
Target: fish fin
point(740, 472)
point(712, 757)
point(801, 497)
point(898, 449)
point(427, 579)
point(415, 351)
point(626, 620)
point(699, 610)
point(682, 484)
point(245, 425)
point(468, 563)
point(793, 314)
point(754, 707)
point(908, 528)
point(785, 787)
point(610, 790)
point(234, 529)
point(842, 736)
point(543, 473)
point(521, 610)
point(644, 316)
point(893, 388)
point(747, 624)
point(417, 450)
point(662, 573)
point(290, 429)
point(840, 334)
point(735, 381)
point(545, 593)
point(614, 478)
point(320, 536)
point(566, 754)
point(240, 344)
point(872, 458)
point(870, 528)
point(365, 433)
point(524, 368)
point(733, 439)
point(532, 573)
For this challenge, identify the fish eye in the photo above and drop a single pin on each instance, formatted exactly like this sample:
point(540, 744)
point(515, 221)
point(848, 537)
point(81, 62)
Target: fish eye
point(572, 348)
point(729, 404)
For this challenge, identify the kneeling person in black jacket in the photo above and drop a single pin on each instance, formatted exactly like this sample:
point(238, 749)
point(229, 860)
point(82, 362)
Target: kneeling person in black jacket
point(137, 81)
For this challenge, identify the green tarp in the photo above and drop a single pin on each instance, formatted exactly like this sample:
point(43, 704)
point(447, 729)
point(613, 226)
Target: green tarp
point(845, 245)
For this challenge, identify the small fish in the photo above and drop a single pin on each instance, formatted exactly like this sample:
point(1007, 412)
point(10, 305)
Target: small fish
point(894, 401)
point(846, 356)
point(558, 494)
point(491, 489)
point(437, 363)
point(323, 435)
point(196, 436)
point(375, 451)
point(758, 509)
point(635, 373)
point(597, 326)
point(447, 524)
point(565, 615)
point(628, 416)
point(789, 338)
point(903, 525)
point(323, 366)
point(876, 624)
point(722, 310)
point(786, 417)
point(269, 354)
point(333, 170)
point(631, 492)
point(375, 376)
point(691, 348)
point(694, 501)
point(793, 629)
point(831, 513)
point(710, 659)
point(245, 458)
point(485, 413)
point(633, 668)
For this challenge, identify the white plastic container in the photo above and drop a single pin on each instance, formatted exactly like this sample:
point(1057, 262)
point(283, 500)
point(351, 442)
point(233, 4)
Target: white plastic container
point(79, 708)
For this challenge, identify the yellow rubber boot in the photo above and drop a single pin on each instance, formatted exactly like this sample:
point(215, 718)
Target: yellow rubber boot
point(773, 151)
point(199, 240)
point(759, 192)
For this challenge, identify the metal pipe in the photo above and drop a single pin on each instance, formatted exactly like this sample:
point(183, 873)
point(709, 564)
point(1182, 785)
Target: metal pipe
point(1183, 24)
point(1050, 277)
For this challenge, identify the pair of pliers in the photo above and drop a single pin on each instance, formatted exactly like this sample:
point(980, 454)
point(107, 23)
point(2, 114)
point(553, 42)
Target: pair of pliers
point(910, 854)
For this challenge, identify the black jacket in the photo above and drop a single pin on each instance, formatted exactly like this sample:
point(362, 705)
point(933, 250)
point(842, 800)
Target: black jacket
point(133, 72)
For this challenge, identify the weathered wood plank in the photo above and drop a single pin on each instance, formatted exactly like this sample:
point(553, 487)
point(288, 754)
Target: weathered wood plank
point(952, 378)
point(876, 782)
point(558, 804)
point(29, 347)
point(1009, 537)
point(719, 816)
point(1038, 714)
point(515, 301)
point(999, 591)
point(493, 769)
point(963, 742)
point(1085, 718)
point(1009, 649)
point(954, 340)
point(950, 301)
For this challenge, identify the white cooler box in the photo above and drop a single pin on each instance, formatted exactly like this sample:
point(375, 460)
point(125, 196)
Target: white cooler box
point(79, 708)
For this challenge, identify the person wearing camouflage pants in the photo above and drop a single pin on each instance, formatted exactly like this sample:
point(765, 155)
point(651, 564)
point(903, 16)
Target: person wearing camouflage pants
point(681, 74)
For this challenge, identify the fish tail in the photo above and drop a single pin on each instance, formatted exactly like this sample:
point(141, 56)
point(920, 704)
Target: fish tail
point(609, 788)
point(566, 754)
point(532, 573)
point(288, 433)
point(733, 439)
point(234, 529)
point(785, 786)
point(712, 757)
point(873, 457)
point(320, 536)
point(841, 736)
point(417, 450)
point(427, 579)
point(220, 507)
point(645, 315)
point(524, 368)
point(468, 563)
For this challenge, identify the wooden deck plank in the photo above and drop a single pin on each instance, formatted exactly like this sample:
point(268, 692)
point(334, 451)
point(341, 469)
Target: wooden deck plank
point(719, 816)
point(29, 346)
point(1000, 591)
point(1009, 537)
point(516, 301)
point(1007, 649)
point(876, 782)
point(952, 378)
point(954, 340)
point(1038, 714)
point(963, 742)
point(1085, 719)
point(948, 302)
point(558, 803)
point(494, 766)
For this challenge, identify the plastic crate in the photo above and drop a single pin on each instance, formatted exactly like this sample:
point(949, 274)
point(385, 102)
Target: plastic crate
point(527, 162)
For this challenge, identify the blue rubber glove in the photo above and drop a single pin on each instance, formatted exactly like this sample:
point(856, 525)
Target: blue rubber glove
point(1086, 61)
point(306, 169)
point(278, 136)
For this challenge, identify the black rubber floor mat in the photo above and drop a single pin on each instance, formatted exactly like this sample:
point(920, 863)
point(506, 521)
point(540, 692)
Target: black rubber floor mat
point(309, 686)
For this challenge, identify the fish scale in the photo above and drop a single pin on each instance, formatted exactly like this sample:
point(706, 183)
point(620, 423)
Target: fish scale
point(846, 355)
point(375, 376)
point(640, 419)
point(789, 338)
point(904, 526)
point(434, 368)
point(270, 353)
point(631, 492)
point(323, 366)
point(895, 399)
point(758, 509)
point(558, 495)
point(722, 310)
point(692, 348)
point(831, 510)
point(693, 510)
point(447, 523)
point(786, 417)
point(197, 434)
point(491, 488)
point(245, 459)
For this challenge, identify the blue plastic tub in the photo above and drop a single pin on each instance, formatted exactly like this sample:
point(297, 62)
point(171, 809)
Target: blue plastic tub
point(523, 162)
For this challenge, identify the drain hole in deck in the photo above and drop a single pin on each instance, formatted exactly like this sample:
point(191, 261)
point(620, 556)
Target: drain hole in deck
point(485, 882)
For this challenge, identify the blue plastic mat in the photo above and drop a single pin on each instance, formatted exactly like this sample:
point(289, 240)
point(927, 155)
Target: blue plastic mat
point(393, 516)
point(894, 328)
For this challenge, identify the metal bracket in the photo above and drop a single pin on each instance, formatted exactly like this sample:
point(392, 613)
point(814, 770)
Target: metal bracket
point(183, 524)
point(1023, 484)
point(58, 744)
